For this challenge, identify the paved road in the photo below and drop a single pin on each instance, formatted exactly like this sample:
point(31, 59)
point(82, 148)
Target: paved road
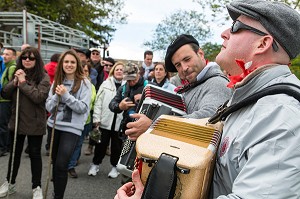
point(84, 187)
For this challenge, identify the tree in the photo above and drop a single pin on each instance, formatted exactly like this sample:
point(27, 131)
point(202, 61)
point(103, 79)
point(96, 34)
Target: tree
point(211, 50)
point(179, 22)
point(97, 18)
point(295, 66)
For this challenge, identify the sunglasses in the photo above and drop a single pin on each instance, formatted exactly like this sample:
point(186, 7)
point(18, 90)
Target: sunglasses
point(95, 54)
point(108, 65)
point(237, 25)
point(28, 57)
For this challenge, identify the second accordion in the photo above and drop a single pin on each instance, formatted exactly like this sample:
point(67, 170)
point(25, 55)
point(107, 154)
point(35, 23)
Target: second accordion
point(155, 101)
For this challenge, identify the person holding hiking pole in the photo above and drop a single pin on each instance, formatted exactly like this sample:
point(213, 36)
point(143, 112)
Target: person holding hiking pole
point(31, 86)
point(68, 103)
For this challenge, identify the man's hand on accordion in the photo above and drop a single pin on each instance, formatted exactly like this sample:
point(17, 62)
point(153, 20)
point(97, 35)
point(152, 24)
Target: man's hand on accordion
point(132, 190)
point(136, 128)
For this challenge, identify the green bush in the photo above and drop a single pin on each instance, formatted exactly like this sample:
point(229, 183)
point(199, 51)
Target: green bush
point(295, 66)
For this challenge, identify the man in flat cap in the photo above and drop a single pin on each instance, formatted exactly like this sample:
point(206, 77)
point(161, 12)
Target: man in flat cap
point(258, 156)
point(206, 90)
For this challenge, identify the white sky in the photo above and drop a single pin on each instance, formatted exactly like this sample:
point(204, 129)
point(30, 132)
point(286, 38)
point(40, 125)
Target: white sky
point(144, 16)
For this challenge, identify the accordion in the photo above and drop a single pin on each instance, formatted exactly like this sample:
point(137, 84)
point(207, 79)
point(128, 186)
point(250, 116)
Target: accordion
point(155, 101)
point(192, 141)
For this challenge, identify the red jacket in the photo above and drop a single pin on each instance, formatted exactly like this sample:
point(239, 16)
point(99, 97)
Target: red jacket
point(50, 68)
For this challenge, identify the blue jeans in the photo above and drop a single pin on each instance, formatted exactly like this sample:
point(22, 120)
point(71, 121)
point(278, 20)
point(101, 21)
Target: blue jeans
point(77, 152)
point(64, 144)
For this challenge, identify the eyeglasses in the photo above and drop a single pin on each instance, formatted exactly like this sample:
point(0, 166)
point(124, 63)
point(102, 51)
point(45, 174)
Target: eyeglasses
point(237, 25)
point(28, 57)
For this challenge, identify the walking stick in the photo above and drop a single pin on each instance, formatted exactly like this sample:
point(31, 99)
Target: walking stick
point(50, 149)
point(15, 139)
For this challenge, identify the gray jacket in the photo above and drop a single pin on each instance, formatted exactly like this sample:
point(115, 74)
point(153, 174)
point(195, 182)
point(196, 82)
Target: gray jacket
point(259, 154)
point(203, 100)
point(73, 109)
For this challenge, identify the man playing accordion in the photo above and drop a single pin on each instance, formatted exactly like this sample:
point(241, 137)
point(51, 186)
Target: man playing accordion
point(207, 83)
point(258, 156)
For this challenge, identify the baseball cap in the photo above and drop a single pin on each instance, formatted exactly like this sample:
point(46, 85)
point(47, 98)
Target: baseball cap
point(131, 71)
point(95, 49)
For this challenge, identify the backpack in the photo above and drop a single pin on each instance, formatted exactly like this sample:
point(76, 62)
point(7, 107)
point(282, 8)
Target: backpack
point(2, 68)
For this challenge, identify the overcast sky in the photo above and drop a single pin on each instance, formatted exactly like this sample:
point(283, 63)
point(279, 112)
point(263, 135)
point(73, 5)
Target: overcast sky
point(144, 16)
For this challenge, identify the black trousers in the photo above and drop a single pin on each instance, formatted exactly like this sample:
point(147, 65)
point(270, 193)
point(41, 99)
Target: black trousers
point(115, 147)
point(64, 144)
point(34, 146)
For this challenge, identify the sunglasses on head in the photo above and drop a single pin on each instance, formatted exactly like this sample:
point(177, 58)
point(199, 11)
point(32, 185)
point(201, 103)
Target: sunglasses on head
point(28, 57)
point(237, 25)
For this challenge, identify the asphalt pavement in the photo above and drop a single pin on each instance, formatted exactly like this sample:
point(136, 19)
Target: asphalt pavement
point(83, 187)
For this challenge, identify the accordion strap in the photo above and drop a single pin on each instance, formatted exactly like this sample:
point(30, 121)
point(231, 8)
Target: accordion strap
point(281, 88)
point(162, 179)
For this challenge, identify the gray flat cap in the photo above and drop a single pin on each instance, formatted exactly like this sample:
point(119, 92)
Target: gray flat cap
point(279, 19)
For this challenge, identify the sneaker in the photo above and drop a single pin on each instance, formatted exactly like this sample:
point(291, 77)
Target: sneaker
point(113, 173)
point(93, 170)
point(89, 150)
point(4, 189)
point(37, 193)
point(72, 173)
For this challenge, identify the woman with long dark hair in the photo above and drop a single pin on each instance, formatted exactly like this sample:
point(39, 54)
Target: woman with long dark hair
point(161, 77)
point(33, 84)
point(70, 95)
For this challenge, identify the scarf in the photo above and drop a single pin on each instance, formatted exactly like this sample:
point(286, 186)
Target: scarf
point(161, 83)
point(147, 69)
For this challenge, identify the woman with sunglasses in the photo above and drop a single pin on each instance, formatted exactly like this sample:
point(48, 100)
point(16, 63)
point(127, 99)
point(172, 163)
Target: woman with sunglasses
point(33, 84)
point(69, 104)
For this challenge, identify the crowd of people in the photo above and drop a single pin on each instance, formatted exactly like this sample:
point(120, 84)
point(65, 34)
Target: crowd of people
point(71, 96)
point(78, 92)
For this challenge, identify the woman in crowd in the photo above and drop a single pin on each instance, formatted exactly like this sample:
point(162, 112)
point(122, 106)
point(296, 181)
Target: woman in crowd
point(161, 77)
point(108, 122)
point(68, 102)
point(87, 127)
point(33, 84)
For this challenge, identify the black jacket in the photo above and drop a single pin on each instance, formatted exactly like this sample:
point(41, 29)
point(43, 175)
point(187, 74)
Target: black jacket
point(123, 92)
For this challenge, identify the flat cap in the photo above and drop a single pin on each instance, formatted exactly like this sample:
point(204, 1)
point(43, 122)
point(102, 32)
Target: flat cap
point(279, 19)
point(174, 46)
point(85, 51)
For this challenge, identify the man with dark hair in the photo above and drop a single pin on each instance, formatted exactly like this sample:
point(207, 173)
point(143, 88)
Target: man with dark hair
point(206, 90)
point(9, 59)
point(258, 156)
point(84, 56)
point(147, 63)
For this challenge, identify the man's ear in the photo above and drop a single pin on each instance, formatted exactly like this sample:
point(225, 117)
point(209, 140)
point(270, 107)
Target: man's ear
point(200, 52)
point(265, 43)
